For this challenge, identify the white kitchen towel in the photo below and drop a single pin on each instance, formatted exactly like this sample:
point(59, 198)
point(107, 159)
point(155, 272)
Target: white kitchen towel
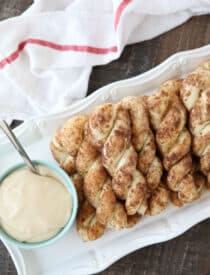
point(47, 53)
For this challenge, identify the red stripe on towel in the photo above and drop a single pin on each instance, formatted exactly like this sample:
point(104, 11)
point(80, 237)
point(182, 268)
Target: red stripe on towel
point(77, 48)
point(12, 57)
point(120, 9)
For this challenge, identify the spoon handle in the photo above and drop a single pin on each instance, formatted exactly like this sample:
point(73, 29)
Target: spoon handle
point(9, 133)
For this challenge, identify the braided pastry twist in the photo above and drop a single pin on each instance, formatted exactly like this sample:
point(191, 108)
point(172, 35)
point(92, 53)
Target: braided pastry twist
point(148, 163)
point(168, 117)
point(109, 131)
point(78, 184)
point(86, 160)
point(98, 188)
point(66, 142)
point(195, 94)
point(88, 226)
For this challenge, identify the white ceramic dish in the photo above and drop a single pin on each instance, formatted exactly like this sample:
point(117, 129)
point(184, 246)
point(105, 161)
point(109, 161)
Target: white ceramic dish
point(70, 255)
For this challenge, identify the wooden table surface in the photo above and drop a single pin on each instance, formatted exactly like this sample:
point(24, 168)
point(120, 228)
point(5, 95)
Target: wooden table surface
point(189, 253)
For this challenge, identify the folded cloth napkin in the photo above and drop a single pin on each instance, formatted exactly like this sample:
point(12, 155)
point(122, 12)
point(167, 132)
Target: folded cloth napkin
point(47, 53)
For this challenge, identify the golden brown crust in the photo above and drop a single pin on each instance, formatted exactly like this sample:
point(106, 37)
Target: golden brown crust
point(72, 133)
point(147, 153)
point(119, 217)
point(170, 129)
point(169, 118)
point(85, 160)
point(195, 94)
point(133, 220)
point(159, 103)
point(66, 142)
point(65, 161)
point(200, 142)
point(175, 200)
point(118, 140)
point(136, 194)
point(139, 120)
point(78, 183)
point(178, 172)
point(88, 226)
point(86, 155)
point(123, 177)
point(99, 193)
point(100, 124)
point(118, 154)
point(191, 187)
point(180, 148)
point(143, 140)
point(94, 181)
point(107, 203)
point(154, 174)
point(159, 200)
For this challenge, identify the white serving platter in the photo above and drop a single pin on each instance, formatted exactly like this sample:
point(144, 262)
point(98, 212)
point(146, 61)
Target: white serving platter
point(70, 255)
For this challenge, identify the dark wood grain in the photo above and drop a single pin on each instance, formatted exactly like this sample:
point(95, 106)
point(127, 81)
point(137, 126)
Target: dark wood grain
point(141, 57)
point(189, 253)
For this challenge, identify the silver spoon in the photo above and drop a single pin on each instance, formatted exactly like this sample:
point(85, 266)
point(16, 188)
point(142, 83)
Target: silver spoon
point(13, 139)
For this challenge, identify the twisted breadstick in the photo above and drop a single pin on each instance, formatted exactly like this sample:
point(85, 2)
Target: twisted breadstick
point(143, 141)
point(109, 131)
point(88, 226)
point(87, 162)
point(98, 188)
point(168, 118)
point(195, 94)
point(148, 163)
point(66, 142)
point(78, 183)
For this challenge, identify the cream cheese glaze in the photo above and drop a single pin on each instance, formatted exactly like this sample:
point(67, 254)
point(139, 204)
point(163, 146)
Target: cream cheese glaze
point(34, 208)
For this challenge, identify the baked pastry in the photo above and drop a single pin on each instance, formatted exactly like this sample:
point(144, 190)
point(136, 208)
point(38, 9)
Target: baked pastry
point(78, 183)
point(168, 117)
point(86, 161)
point(112, 159)
point(66, 142)
point(109, 131)
point(82, 155)
point(195, 94)
point(88, 226)
point(148, 163)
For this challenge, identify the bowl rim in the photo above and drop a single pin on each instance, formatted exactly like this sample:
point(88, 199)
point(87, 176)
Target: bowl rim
point(71, 188)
